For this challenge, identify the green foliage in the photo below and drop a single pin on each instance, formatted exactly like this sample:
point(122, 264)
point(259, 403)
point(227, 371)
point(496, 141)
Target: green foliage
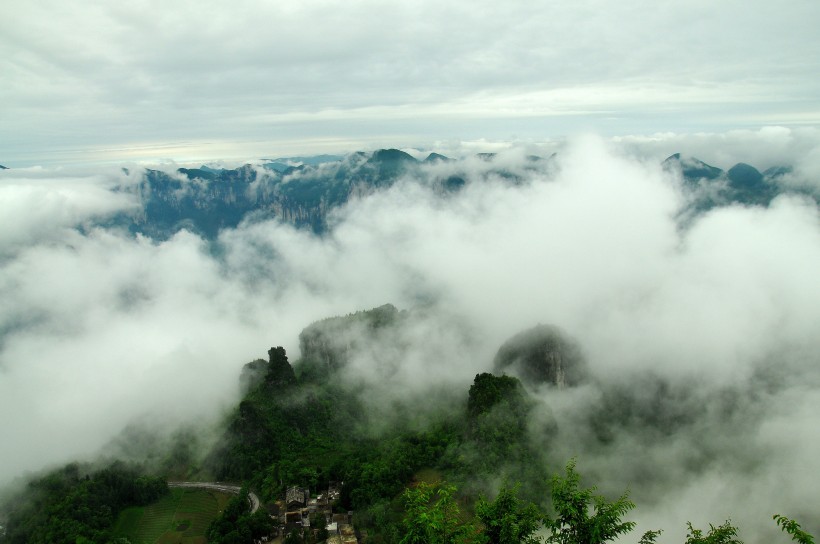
point(312, 371)
point(280, 373)
point(793, 528)
point(574, 523)
point(313, 433)
point(318, 520)
point(649, 537)
point(285, 432)
point(433, 516)
point(185, 513)
point(508, 520)
point(496, 442)
point(68, 505)
point(293, 537)
point(237, 525)
point(311, 429)
point(379, 470)
point(488, 391)
point(722, 534)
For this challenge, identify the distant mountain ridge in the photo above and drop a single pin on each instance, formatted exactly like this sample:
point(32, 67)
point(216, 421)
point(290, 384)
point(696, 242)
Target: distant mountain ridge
point(303, 191)
point(741, 184)
point(299, 191)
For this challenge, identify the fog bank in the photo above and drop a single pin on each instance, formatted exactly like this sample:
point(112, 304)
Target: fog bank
point(100, 328)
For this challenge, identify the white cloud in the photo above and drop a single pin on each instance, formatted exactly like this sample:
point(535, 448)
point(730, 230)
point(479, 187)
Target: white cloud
point(763, 147)
point(33, 206)
point(100, 328)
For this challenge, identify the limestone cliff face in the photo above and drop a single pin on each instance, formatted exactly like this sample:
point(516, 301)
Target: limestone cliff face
point(543, 354)
point(206, 200)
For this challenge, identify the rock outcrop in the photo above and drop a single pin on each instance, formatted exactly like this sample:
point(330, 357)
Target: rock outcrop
point(542, 355)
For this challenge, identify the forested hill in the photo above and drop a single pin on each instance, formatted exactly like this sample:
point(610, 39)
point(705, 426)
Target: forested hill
point(312, 423)
point(77, 504)
point(304, 192)
point(304, 427)
point(315, 423)
point(309, 424)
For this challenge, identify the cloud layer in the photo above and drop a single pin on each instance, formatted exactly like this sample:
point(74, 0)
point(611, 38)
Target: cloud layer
point(147, 80)
point(99, 328)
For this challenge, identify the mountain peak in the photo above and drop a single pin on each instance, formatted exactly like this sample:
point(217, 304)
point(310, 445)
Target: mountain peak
point(543, 354)
point(392, 155)
point(435, 157)
point(692, 168)
point(745, 175)
point(775, 172)
point(749, 185)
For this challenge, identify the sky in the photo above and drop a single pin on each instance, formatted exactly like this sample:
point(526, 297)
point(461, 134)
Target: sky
point(95, 82)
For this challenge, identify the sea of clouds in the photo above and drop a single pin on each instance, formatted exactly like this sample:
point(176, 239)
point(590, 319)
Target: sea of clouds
point(100, 328)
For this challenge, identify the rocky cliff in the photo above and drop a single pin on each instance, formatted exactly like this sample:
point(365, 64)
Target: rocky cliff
point(542, 355)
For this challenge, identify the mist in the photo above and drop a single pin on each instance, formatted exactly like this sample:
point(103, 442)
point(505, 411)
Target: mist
point(100, 328)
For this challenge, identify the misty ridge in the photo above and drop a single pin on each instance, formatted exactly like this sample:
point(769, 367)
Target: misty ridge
point(660, 313)
point(305, 192)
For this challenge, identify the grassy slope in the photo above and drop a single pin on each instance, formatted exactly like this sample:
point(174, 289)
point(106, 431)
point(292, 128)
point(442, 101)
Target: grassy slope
point(182, 517)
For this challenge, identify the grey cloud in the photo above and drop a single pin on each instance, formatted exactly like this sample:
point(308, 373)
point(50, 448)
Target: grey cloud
point(93, 74)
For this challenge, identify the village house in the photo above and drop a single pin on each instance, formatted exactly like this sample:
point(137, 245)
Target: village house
point(298, 508)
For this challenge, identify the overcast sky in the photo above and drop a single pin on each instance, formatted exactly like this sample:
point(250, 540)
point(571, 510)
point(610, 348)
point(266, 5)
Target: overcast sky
point(90, 81)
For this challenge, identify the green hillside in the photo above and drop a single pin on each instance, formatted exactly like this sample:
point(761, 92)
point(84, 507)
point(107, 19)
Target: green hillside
point(181, 517)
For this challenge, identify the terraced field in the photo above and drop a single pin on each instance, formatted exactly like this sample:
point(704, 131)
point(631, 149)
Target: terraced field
point(180, 518)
